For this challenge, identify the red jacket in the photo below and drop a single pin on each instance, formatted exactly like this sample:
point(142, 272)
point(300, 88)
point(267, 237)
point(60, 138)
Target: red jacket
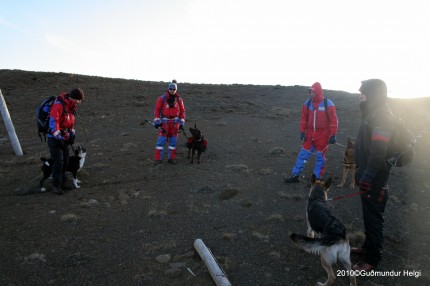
point(315, 121)
point(163, 111)
point(62, 118)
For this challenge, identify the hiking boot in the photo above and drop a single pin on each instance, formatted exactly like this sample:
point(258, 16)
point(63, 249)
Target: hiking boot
point(292, 179)
point(57, 191)
point(157, 162)
point(171, 161)
point(66, 187)
point(363, 266)
point(357, 250)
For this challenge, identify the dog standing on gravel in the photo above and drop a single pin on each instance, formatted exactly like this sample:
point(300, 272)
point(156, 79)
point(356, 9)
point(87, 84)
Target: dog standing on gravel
point(196, 143)
point(349, 164)
point(76, 163)
point(332, 243)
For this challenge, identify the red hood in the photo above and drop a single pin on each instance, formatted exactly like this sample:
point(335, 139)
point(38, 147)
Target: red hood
point(70, 104)
point(316, 87)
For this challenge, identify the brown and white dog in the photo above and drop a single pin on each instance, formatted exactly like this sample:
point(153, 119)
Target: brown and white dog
point(331, 243)
point(349, 164)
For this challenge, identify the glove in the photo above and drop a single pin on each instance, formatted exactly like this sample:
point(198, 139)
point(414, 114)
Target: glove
point(72, 135)
point(157, 125)
point(332, 140)
point(365, 184)
point(302, 136)
point(57, 135)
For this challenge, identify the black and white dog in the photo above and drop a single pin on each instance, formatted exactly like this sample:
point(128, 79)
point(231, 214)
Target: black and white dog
point(76, 162)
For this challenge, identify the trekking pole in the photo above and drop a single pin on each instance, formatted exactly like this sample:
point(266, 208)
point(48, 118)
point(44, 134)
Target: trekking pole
point(338, 144)
point(153, 124)
point(183, 132)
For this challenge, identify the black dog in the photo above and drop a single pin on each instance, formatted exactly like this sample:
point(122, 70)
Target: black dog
point(76, 162)
point(195, 143)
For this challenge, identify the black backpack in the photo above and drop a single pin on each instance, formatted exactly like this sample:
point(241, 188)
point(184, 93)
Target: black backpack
point(42, 113)
point(400, 150)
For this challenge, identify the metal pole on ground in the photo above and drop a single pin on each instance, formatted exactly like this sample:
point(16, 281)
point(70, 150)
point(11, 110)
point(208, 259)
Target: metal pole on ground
point(9, 127)
point(215, 270)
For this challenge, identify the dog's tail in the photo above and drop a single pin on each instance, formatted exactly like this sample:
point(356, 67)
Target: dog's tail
point(314, 245)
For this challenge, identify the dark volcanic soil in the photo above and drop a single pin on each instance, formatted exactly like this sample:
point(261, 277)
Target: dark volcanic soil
point(133, 223)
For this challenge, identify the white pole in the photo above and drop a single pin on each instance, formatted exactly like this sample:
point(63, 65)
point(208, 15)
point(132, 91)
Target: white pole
point(9, 127)
point(214, 269)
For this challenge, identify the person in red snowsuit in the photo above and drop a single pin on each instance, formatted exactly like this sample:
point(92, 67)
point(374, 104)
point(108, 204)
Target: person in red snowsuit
point(169, 118)
point(318, 128)
point(62, 134)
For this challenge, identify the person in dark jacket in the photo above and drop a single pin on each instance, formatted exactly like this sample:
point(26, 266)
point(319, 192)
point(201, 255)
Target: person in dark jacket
point(373, 169)
point(62, 134)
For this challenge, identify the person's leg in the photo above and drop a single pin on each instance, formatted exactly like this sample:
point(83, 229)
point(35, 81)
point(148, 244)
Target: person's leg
point(172, 147)
point(373, 205)
point(321, 147)
point(302, 158)
point(65, 164)
point(159, 147)
point(56, 151)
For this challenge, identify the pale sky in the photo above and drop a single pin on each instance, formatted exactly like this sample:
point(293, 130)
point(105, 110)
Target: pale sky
point(336, 42)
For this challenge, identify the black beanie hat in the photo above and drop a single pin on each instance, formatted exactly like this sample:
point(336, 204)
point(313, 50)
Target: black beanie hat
point(76, 94)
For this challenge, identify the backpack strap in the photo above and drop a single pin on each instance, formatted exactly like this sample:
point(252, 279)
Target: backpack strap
point(325, 107)
point(60, 100)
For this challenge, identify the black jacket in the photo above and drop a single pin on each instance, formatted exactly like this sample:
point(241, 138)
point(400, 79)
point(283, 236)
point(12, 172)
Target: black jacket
point(373, 136)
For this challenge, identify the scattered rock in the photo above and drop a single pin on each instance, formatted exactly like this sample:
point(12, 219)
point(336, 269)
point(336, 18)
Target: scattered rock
point(163, 258)
point(173, 272)
point(277, 151)
point(265, 171)
point(70, 218)
point(261, 236)
point(229, 236)
point(228, 193)
point(239, 168)
point(275, 217)
point(35, 257)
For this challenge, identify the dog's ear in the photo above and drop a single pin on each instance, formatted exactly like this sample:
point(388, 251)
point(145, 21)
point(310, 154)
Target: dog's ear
point(327, 183)
point(313, 179)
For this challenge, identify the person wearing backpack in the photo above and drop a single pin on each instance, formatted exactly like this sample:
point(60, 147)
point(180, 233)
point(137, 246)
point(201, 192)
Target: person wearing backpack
point(373, 169)
point(169, 119)
point(318, 128)
point(62, 134)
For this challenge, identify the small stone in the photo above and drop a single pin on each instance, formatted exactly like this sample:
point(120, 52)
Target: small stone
point(163, 258)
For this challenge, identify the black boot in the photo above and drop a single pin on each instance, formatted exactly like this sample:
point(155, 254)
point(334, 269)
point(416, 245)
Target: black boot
point(292, 179)
point(57, 190)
